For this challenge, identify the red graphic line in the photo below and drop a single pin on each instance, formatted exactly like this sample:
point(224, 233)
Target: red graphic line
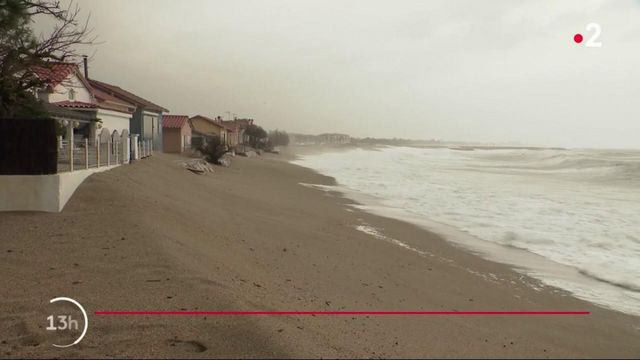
point(298, 313)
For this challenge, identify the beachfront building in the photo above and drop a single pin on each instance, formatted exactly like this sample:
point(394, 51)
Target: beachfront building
point(204, 128)
point(322, 139)
point(66, 87)
point(232, 132)
point(334, 139)
point(176, 133)
point(146, 120)
point(238, 128)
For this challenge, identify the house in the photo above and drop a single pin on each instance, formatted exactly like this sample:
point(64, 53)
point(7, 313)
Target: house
point(238, 127)
point(232, 132)
point(176, 133)
point(67, 88)
point(147, 116)
point(203, 128)
point(227, 132)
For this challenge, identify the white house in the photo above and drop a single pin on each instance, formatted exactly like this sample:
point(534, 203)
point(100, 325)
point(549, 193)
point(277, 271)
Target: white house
point(68, 88)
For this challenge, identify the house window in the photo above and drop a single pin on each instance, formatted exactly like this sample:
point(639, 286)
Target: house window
point(72, 95)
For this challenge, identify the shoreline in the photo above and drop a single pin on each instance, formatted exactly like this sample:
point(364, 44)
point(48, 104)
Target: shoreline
point(549, 273)
point(249, 237)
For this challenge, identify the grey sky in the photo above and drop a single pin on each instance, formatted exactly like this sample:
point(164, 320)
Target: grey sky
point(491, 70)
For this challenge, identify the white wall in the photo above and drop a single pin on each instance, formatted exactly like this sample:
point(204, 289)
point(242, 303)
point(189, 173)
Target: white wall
point(61, 91)
point(29, 192)
point(113, 120)
point(41, 192)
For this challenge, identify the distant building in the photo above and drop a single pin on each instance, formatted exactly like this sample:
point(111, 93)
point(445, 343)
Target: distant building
point(176, 133)
point(334, 139)
point(238, 128)
point(322, 139)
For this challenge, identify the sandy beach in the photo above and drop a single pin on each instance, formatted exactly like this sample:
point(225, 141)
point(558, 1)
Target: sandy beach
point(154, 236)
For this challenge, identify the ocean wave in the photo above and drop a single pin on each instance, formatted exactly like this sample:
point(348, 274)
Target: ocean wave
point(626, 285)
point(578, 208)
point(603, 165)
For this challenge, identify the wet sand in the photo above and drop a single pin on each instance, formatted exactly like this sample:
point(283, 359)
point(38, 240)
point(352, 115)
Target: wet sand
point(154, 236)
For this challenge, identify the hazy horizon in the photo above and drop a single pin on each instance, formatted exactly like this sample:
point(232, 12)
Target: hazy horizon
point(490, 71)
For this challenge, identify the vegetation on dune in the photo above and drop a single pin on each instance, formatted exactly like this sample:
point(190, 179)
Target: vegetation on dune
point(257, 136)
point(213, 150)
point(278, 138)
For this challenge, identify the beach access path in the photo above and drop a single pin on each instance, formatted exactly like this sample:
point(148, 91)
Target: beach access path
point(153, 236)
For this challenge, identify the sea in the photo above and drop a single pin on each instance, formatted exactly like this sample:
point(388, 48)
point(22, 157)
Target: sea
point(569, 218)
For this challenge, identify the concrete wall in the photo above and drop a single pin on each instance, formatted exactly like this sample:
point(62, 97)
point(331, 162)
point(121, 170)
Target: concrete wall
point(48, 193)
point(114, 120)
point(185, 135)
point(176, 140)
point(61, 91)
point(172, 141)
point(186, 142)
point(234, 138)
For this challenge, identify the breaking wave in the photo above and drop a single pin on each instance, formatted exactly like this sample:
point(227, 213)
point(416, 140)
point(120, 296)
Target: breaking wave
point(626, 285)
point(577, 208)
point(603, 165)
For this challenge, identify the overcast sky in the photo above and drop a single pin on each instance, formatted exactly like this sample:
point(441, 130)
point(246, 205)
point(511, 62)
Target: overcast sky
point(490, 71)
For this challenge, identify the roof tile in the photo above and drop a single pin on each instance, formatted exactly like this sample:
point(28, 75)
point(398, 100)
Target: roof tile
point(174, 121)
point(76, 104)
point(54, 73)
point(126, 95)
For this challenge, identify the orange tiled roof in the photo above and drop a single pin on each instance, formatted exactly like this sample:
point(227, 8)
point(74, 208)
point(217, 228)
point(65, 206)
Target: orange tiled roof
point(76, 104)
point(126, 95)
point(174, 121)
point(54, 73)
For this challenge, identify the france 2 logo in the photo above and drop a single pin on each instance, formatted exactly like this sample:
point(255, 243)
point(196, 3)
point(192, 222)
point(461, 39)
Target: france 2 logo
point(592, 41)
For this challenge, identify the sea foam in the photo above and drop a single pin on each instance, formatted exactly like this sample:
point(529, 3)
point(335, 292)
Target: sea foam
point(579, 209)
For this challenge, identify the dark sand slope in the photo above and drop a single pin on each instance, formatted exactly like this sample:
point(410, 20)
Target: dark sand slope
point(153, 236)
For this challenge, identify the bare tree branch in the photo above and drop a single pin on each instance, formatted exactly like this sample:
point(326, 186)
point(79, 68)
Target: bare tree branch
point(21, 51)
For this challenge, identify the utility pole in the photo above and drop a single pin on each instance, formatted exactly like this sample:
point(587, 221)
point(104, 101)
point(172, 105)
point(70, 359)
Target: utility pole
point(228, 114)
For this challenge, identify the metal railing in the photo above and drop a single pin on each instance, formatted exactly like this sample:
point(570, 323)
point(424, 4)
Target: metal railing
point(145, 148)
point(86, 154)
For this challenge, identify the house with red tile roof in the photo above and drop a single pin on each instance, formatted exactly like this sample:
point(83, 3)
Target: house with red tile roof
point(176, 133)
point(238, 127)
point(147, 116)
point(204, 128)
point(66, 87)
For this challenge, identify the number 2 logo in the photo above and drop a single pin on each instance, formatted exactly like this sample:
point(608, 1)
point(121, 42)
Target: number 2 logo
point(592, 41)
